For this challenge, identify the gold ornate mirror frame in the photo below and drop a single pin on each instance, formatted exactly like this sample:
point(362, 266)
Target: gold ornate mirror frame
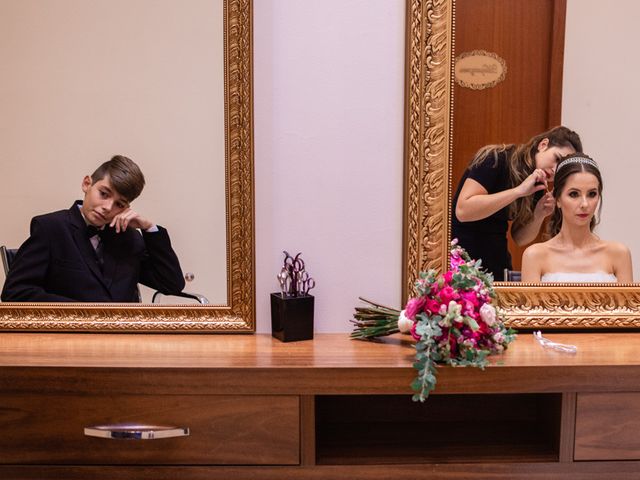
point(429, 130)
point(239, 313)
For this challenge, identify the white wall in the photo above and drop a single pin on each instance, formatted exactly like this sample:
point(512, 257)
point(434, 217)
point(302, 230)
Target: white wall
point(602, 103)
point(328, 150)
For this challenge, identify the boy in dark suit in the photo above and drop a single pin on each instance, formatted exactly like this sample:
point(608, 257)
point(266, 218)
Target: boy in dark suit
point(93, 252)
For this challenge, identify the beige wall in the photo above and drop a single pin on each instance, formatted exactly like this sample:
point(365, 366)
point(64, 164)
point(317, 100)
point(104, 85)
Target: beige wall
point(601, 101)
point(82, 80)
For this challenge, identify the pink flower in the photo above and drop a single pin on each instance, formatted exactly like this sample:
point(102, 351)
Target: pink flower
point(456, 260)
point(468, 308)
point(414, 306)
point(447, 294)
point(483, 329)
point(471, 297)
point(467, 333)
point(453, 345)
point(433, 306)
point(484, 297)
point(448, 277)
point(413, 332)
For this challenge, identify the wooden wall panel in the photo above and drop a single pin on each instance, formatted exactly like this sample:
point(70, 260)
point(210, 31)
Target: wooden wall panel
point(529, 36)
point(224, 429)
point(608, 426)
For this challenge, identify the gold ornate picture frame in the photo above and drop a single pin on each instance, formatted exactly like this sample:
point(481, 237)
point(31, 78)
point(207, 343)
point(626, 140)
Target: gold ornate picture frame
point(430, 40)
point(238, 315)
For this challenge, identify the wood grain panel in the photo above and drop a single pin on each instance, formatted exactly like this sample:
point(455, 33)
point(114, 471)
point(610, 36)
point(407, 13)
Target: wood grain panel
point(231, 392)
point(567, 427)
point(331, 364)
point(608, 426)
point(308, 430)
point(459, 471)
point(263, 352)
point(49, 429)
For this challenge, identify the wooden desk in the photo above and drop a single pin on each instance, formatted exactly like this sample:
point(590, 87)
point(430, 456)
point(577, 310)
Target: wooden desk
point(327, 408)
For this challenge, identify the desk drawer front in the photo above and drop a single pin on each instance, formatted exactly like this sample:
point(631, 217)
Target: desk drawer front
point(257, 430)
point(608, 426)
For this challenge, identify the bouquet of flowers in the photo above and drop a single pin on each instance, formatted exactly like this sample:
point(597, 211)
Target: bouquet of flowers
point(451, 318)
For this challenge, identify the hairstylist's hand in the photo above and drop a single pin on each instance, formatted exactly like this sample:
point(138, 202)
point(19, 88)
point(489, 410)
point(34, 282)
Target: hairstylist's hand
point(533, 183)
point(130, 218)
point(545, 206)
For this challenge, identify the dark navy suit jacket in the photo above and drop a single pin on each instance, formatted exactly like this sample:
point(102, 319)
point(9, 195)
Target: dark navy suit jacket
point(57, 263)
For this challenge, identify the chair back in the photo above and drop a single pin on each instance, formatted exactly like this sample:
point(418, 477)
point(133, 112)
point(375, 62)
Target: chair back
point(7, 255)
point(512, 275)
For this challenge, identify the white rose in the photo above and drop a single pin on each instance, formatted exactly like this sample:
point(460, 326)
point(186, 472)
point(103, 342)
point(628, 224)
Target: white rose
point(455, 309)
point(404, 323)
point(488, 314)
point(498, 337)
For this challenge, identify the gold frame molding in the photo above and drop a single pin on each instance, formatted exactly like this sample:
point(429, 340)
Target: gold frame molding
point(239, 314)
point(430, 42)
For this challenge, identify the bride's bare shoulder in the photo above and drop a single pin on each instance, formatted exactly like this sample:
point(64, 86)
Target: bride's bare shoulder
point(617, 249)
point(537, 251)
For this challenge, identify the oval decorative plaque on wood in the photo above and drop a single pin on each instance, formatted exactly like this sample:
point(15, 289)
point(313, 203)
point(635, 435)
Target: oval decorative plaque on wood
point(479, 69)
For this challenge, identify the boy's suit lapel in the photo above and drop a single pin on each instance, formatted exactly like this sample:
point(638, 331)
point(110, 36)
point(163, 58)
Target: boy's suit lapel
point(110, 261)
point(78, 227)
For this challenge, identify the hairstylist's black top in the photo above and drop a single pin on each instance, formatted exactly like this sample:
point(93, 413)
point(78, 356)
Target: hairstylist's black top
point(486, 239)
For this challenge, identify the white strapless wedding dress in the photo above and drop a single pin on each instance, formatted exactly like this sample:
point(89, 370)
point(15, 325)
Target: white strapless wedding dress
point(573, 277)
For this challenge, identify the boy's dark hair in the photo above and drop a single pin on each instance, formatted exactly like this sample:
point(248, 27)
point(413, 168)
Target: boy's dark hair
point(125, 176)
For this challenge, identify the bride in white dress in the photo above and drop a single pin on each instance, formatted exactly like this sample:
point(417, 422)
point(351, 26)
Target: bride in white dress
point(574, 253)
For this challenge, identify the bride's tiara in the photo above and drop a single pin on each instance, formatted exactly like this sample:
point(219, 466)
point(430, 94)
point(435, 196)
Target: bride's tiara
point(577, 159)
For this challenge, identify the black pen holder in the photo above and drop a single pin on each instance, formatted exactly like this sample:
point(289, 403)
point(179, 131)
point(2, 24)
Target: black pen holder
point(291, 317)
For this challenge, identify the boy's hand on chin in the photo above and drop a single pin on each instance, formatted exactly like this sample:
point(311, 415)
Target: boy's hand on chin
point(130, 219)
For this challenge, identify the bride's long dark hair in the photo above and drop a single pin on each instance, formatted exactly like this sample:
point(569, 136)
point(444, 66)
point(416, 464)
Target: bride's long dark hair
point(563, 172)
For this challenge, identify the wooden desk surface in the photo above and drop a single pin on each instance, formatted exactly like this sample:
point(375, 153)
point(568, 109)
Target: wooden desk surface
point(331, 363)
point(261, 350)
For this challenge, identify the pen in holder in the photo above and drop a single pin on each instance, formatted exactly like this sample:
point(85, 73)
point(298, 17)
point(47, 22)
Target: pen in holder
point(292, 308)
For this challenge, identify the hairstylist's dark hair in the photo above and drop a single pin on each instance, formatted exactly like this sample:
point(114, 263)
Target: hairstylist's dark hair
point(125, 176)
point(521, 163)
point(575, 163)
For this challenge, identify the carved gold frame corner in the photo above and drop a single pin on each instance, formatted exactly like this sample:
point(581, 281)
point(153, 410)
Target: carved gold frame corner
point(430, 41)
point(239, 313)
